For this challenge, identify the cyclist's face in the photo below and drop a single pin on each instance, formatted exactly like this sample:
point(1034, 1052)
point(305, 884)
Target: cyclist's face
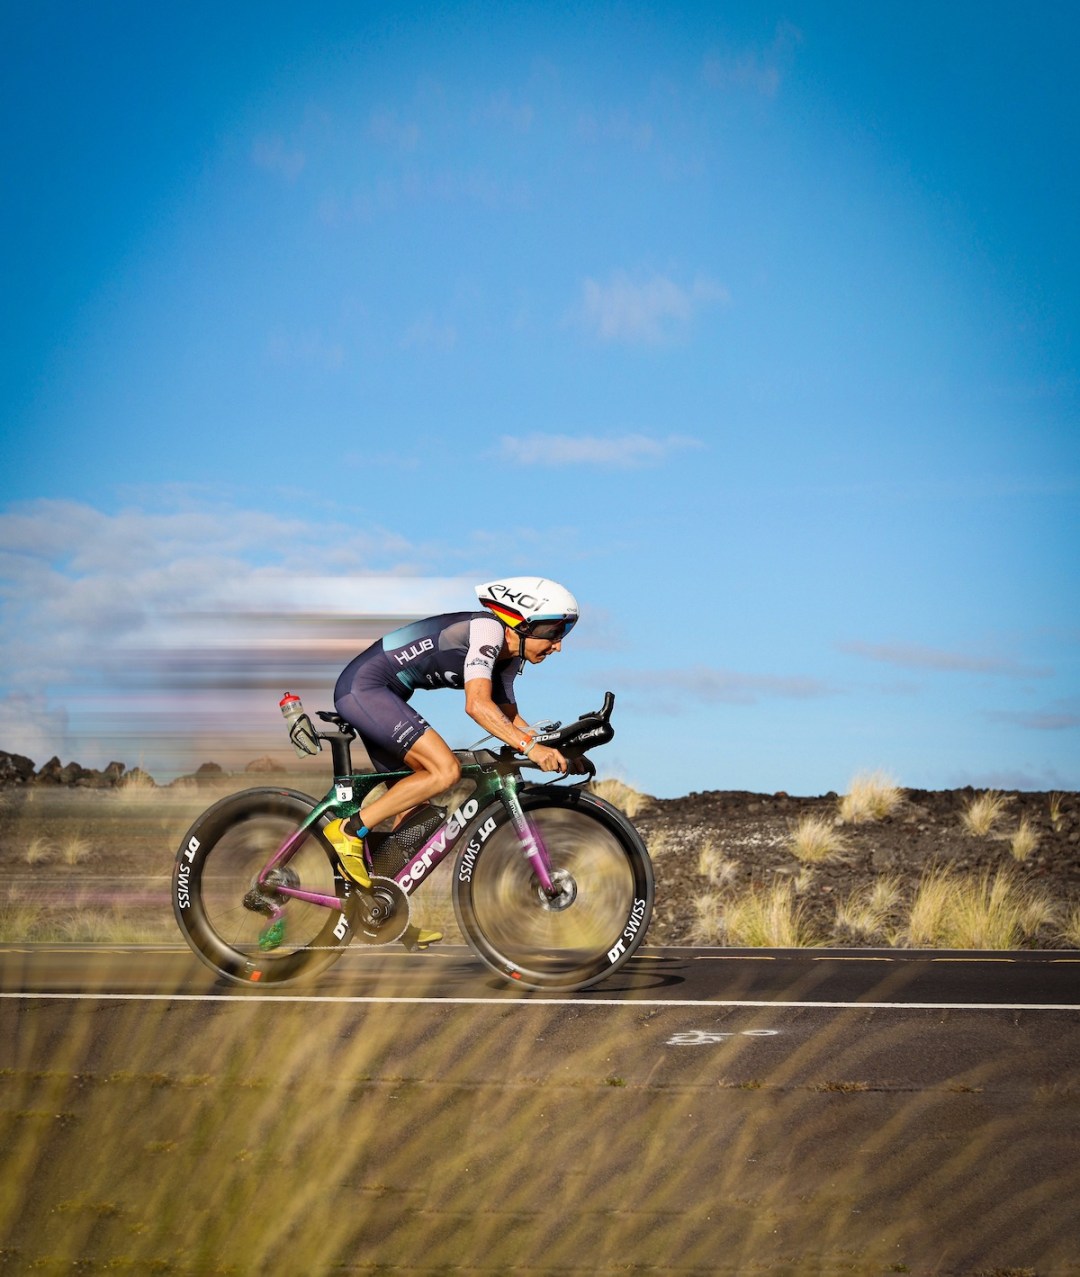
point(537, 650)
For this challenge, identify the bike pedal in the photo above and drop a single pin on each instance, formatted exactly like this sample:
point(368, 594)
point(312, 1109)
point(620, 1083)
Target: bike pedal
point(416, 940)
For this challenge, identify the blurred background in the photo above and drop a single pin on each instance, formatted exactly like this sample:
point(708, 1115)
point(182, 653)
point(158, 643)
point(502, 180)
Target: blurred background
point(754, 324)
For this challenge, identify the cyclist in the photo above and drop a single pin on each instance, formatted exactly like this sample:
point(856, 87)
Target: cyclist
point(479, 652)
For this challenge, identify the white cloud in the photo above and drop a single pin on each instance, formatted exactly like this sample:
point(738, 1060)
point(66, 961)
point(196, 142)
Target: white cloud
point(615, 127)
point(150, 617)
point(613, 452)
point(643, 312)
point(275, 156)
point(759, 71)
point(914, 656)
point(388, 129)
point(501, 109)
point(430, 333)
point(310, 349)
point(1048, 720)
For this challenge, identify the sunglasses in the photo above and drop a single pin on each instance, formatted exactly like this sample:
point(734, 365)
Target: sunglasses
point(551, 630)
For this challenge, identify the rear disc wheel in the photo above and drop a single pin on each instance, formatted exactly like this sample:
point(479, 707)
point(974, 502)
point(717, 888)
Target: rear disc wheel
point(246, 930)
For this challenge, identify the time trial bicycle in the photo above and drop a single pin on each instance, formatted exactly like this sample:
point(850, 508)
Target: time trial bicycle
point(552, 886)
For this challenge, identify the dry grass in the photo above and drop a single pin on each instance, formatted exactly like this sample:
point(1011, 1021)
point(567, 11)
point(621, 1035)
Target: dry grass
point(984, 912)
point(620, 795)
point(983, 812)
point(1055, 811)
point(869, 912)
point(815, 839)
point(661, 842)
point(1024, 840)
point(39, 851)
point(136, 788)
point(768, 918)
point(74, 849)
point(1070, 931)
point(713, 866)
point(104, 926)
point(872, 796)
point(19, 919)
point(28, 920)
point(708, 919)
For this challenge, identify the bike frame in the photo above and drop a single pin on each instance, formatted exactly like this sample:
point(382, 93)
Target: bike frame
point(497, 781)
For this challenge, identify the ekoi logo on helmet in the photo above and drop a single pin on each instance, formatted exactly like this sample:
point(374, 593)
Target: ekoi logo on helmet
point(531, 605)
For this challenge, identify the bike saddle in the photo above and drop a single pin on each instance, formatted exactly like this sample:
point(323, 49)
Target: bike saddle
point(342, 724)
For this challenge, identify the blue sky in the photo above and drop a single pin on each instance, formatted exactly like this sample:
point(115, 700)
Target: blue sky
point(755, 324)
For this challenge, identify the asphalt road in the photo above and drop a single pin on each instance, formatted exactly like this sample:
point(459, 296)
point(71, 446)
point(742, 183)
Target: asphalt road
point(703, 1111)
point(723, 977)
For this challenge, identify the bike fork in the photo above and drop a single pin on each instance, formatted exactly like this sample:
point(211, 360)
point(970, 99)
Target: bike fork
point(532, 845)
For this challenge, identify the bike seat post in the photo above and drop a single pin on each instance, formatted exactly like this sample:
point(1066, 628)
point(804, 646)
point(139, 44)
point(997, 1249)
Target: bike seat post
point(340, 751)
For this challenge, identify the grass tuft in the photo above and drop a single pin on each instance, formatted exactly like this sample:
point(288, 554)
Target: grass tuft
point(713, 867)
point(1024, 840)
point(137, 787)
point(38, 852)
point(815, 839)
point(984, 912)
point(1070, 932)
point(868, 913)
point(19, 920)
point(621, 795)
point(768, 918)
point(1055, 811)
point(74, 849)
point(983, 812)
point(872, 796)
point(708, 919)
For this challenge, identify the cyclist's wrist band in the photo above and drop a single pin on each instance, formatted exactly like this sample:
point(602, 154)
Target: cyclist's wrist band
point(526, 745)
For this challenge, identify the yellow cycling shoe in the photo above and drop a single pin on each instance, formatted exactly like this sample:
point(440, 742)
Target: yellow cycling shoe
point(417, 938)
point(350, 851)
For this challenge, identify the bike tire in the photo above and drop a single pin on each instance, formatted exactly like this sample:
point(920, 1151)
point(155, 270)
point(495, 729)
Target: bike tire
point(503, 913)
point(217, 865)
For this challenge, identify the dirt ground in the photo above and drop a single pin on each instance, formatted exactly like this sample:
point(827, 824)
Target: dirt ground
point(60, 845)
point(750, 835)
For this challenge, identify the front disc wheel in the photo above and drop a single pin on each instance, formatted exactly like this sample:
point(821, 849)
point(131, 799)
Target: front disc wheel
point(591, 922)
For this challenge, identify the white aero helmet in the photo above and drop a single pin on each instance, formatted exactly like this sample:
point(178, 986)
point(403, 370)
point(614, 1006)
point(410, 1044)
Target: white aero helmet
point(531, 605)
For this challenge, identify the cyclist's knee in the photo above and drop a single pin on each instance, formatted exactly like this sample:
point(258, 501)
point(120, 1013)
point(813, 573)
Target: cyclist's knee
point(446, 772)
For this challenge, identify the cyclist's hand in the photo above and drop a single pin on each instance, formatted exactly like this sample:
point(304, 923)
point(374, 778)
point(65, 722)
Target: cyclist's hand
point(548, 760)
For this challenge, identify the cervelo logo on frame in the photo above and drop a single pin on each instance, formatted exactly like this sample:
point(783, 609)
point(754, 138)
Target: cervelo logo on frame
point(433, 851)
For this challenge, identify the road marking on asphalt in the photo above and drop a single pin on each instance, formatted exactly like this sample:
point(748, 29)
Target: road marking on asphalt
point(708, 1037)
point(266, 998)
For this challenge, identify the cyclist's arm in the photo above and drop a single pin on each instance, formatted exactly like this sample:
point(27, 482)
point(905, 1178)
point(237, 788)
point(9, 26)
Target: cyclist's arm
point(506, 724)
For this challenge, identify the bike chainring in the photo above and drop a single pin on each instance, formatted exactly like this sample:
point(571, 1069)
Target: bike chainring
point(381, 912)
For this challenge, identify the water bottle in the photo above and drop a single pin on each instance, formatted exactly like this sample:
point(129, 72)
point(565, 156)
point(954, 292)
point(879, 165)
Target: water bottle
point(301, 731)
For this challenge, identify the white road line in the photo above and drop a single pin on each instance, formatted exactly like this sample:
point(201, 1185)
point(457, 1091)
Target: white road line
point(253, 999)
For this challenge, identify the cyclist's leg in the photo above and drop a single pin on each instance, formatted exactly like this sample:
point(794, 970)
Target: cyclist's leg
point(395, 737)
point(434, 768)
